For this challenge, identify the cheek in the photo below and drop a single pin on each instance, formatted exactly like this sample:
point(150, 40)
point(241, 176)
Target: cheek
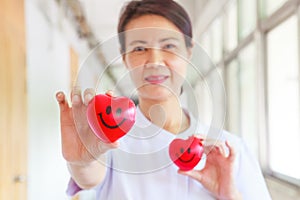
point(133, 61)
point(178, 67)
point(177, 62)
point(136, 74)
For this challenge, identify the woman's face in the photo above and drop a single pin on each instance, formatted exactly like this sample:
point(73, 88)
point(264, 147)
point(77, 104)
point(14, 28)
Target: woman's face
point(156, 56)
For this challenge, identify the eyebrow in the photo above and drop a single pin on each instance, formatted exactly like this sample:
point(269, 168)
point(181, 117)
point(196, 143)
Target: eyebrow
point(144, 42)
point(170, 38)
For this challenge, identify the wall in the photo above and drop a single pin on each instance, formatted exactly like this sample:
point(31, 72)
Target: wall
point(13, 104)
point(48, 71)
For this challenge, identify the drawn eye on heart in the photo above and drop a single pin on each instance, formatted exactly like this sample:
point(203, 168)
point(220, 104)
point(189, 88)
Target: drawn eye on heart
point(182, 151)
point(108, 112)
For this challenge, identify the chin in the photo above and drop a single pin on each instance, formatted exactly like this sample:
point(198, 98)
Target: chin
point(157, 93)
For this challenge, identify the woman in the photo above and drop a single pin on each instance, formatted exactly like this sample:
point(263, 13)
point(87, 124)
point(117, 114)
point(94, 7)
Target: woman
point(156, 58)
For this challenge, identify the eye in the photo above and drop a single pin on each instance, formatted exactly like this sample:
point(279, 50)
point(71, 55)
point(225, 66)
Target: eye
point(108, 110)
point(189, 150)
point(169, 46)
point(181, 150)
point(139, 49)
point(119, 111)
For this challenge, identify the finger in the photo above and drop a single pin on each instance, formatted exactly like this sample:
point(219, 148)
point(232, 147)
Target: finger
point(214, 142)
point(110, 93)
point(107, 146)
point(101, 147)
point(192, 173)
point(200, 136)
point(210, 149)
point(114, 145)
point(76, 97)
point(232, 151)
point(88, 95)
point(212, 153)
point(211, 144)
point(79, 110)
point(61, 99)
point(221, 149)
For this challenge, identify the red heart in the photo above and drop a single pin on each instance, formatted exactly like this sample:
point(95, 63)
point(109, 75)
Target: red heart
point(110, 117)
point(186, 154)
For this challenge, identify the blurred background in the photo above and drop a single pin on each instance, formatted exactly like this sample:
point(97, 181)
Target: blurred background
point(254, 44)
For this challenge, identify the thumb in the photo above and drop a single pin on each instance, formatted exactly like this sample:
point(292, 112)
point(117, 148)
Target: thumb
point(61, 99)
point(197, 175)
point(109, 93)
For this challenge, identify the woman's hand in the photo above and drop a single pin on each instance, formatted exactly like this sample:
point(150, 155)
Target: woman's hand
point(79, 144)
point(217, 175)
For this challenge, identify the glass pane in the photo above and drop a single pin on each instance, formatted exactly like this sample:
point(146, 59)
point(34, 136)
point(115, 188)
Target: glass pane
point(272, 5)
point(231, 26)
point(283, 95)
point(217, 40)
point(203, 96)
point(247, 17)
point(206, 43)
point(233, 97)
point(248, 98)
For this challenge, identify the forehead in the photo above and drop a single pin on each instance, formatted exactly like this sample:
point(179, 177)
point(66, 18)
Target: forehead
point(150, 21)
point(151, 27)
point(152, 35)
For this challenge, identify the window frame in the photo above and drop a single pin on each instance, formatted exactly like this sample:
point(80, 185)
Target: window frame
point(264, 24)
point(289, 9)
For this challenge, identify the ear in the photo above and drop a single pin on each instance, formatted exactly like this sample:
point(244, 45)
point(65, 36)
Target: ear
point(190, 51)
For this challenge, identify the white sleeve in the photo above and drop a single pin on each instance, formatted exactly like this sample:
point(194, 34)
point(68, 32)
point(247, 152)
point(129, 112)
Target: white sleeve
point(249, 178)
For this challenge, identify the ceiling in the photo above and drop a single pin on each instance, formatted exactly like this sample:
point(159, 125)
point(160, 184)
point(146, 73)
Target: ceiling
point(103, 16)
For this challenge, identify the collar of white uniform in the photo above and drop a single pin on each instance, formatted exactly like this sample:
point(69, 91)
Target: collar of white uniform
point(143, 123)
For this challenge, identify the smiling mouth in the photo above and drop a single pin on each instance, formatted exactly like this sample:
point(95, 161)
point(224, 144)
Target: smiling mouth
point(187, 161)
point(110, 126)
point(156, 79)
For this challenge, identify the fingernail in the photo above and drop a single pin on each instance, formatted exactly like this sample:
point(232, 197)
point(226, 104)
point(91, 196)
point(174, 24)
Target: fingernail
point(89, 97)
point(228, 143)
point(109, 93)
point(75, 99)
point(58, 95)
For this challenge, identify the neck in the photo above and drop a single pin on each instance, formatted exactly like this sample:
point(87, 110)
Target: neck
point(165, 114)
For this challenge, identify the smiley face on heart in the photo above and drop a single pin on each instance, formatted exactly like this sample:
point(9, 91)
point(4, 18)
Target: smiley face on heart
point(186, 154)
point(110, 117)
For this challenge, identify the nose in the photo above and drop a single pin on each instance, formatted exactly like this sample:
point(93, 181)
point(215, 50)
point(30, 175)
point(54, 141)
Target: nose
point(155, 56)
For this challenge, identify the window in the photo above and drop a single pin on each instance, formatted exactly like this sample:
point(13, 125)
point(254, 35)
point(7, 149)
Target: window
point(216, 31)
point(203, 95)
point(248, 96)
point(233, 97)
point(242, 96)
point(206, 43)
point(247, 17)
point(270, 6)
point(283, 98)
point(231, 26)
point(262, 79)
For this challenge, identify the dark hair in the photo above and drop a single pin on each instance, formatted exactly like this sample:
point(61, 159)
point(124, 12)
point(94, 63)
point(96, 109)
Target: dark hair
point(165, 8)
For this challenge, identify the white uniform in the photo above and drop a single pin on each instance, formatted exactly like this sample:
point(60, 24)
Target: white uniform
point(140, 169)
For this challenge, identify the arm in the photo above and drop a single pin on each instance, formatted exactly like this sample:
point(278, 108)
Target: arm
point(87, 176)
point(80, 147)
